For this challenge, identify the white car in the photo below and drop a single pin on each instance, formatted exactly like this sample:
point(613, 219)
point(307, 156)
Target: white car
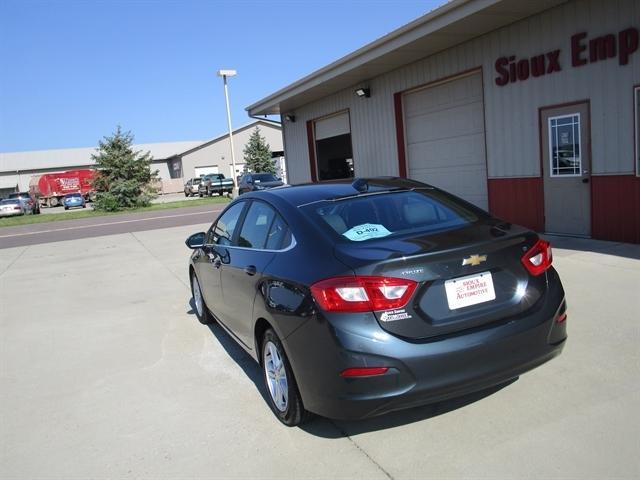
point(14, 206)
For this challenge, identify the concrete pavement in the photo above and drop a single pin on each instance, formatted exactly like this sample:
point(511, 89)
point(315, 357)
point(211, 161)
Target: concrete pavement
point(106, 373)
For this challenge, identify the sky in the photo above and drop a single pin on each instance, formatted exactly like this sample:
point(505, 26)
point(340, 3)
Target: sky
point(71, 70)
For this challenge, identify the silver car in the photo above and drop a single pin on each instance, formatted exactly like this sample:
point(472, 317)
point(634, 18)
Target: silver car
point(14, 206)
point(191, 187)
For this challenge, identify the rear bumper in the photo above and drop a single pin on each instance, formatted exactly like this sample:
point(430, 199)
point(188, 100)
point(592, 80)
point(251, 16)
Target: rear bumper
point(420, 372)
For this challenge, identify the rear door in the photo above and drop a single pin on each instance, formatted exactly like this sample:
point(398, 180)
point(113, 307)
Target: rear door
point(242, 274)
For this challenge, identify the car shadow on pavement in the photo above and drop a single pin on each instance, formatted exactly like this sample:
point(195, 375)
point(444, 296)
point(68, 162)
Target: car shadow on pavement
point(237, 354)
point(328, 428)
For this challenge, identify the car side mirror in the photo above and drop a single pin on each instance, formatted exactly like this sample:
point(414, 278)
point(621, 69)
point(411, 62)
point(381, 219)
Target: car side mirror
point(196, 240)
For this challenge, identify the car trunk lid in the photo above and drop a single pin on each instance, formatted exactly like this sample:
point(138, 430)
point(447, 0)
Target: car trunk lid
point(467, 277)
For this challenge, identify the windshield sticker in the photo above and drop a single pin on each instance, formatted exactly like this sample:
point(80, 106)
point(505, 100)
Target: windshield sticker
point(366, 231)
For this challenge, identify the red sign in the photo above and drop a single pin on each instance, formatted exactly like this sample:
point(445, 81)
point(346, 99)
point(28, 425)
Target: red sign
point(583, 51)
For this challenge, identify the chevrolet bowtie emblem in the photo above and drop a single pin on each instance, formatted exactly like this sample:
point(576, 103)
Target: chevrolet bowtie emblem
point(474, 260)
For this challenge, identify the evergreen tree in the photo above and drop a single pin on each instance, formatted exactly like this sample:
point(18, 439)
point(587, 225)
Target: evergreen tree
point(257, 154)
point(124, 178)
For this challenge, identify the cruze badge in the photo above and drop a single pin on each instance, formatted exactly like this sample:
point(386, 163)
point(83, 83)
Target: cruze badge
point(474, 260)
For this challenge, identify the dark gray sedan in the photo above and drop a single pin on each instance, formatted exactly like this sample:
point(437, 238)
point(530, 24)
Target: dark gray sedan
point(359, 298)
point(254, 182)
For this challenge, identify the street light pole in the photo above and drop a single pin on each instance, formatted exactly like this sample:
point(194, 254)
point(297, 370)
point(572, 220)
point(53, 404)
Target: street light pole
point(224, 74)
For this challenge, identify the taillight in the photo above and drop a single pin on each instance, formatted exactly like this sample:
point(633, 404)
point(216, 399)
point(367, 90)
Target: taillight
point(538, 258)
point(364, 372)
point(362, 294)
point(17, 207)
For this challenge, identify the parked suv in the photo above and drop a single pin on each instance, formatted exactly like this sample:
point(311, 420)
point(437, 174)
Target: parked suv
point(29, 198)
point(215, 183)
point(191, 187)
point(251, 182)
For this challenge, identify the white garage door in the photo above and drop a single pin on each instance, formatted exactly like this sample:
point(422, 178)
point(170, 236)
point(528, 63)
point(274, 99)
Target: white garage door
point(444, 128)
point(199, 171)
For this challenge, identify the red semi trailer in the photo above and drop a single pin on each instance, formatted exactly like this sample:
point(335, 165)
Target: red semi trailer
point(49, 188)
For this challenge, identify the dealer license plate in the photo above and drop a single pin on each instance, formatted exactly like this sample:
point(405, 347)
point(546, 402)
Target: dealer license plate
point(469, 290)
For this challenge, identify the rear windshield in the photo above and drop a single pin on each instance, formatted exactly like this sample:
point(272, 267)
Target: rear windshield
point(263, 177)
point(18, 195)
point(10, 202)
point(73, 195)
point(367, 217)
point(196, 181)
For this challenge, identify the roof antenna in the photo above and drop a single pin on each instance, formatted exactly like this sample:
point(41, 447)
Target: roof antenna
point(361, 185)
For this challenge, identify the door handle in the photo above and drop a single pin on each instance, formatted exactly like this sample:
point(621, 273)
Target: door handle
point(585, 174)
point(250, 270)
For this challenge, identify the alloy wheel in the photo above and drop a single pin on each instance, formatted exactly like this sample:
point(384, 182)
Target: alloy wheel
point(197, 296)
point(276, 376)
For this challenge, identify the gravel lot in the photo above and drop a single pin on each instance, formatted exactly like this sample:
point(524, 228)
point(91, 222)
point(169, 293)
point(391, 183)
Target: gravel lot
point(106, 373)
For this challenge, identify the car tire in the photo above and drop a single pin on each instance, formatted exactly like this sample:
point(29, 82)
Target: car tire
point(200, 307)
point(280, 384)
point(66, 208)
point(200, 194)
point(84, 205)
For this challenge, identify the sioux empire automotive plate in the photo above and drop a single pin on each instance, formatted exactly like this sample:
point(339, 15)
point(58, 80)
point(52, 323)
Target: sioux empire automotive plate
point(469, 290)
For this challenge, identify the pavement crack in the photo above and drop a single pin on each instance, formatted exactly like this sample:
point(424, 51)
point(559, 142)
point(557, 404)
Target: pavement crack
point(14, 260)
point(364, 452)
point(159, 261)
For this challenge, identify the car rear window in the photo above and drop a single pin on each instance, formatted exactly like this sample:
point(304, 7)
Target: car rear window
point(367, 217)
point(10, 201)
point(263, 177)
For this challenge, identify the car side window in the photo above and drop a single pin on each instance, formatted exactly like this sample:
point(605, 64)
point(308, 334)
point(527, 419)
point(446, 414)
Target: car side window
point(279, 236)
point(256, 226)
point(222, 231)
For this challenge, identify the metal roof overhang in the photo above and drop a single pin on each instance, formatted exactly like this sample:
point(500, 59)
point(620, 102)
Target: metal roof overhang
point(451, 24)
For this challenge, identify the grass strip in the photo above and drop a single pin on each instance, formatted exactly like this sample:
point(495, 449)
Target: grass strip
point(86, 213)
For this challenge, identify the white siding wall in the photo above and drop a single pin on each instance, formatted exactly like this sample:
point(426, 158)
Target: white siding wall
point(511, 112)
point(212, 154)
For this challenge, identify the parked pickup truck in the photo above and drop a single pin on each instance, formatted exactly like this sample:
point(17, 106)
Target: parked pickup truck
point(215, 183)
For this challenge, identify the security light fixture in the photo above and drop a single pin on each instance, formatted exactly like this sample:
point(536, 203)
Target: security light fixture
point(363, 92)
point(290, 118)
point(227, 73)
